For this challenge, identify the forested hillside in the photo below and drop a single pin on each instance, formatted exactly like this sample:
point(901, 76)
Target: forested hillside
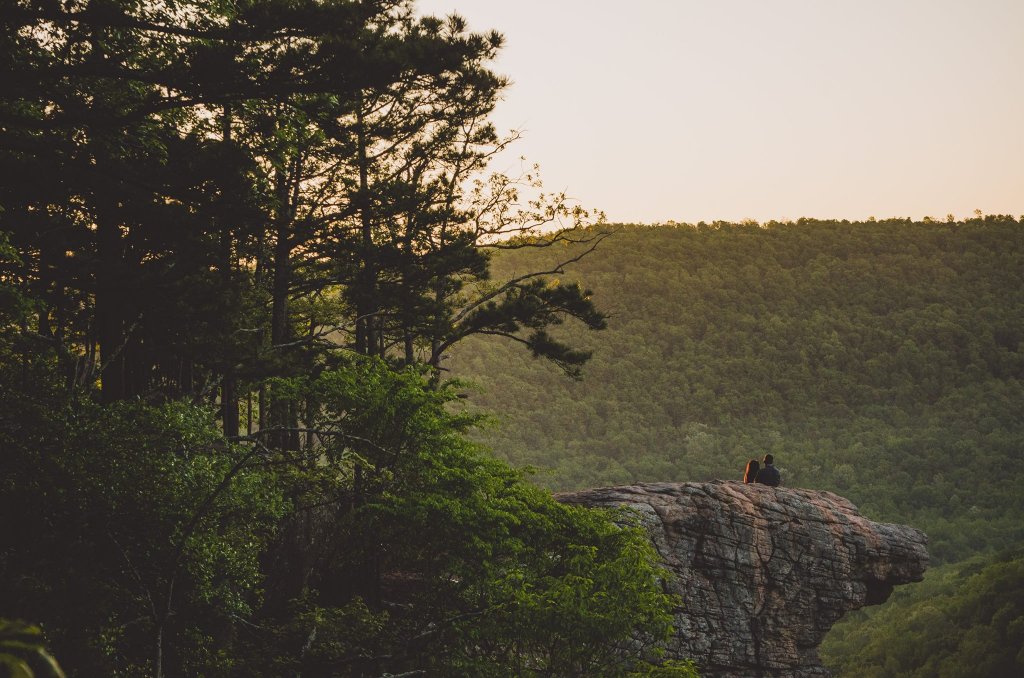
point(963, 620)
point(880, 360)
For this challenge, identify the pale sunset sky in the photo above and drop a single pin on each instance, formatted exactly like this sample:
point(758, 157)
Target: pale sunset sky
point(690, 110)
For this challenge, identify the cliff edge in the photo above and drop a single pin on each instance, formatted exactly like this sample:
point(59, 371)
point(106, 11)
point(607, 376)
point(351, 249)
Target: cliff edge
point(764, 572)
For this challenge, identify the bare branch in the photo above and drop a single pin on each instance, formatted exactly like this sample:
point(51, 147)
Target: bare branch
point(557, 269)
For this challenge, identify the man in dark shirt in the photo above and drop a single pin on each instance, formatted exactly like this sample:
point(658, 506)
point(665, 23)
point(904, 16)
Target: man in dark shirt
point(769, 475)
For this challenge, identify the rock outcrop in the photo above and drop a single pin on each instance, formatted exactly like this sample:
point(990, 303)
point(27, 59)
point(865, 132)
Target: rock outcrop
point(765, 572)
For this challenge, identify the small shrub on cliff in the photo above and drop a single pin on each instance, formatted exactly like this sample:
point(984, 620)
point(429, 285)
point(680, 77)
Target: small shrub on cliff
point(674, 668)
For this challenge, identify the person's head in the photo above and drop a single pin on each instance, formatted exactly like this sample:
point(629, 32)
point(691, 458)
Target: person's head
point(769, 459)
point(751, 472)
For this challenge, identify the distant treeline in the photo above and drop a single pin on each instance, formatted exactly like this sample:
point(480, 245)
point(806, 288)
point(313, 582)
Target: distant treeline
point(882, 360)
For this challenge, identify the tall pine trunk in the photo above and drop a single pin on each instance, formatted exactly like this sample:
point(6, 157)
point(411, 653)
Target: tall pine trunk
point(366, 284)
point(229, 383)
point(282, 273)
point(110, 304)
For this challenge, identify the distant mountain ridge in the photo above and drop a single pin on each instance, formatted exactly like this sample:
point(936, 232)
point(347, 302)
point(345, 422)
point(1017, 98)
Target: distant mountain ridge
point(880, 360)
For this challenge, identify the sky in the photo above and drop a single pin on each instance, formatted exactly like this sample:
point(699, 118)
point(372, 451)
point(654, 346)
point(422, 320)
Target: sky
point(704, 110)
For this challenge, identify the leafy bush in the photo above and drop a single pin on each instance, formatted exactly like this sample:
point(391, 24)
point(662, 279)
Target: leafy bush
point(145, 542)
point(478, 571)
point(128, 543)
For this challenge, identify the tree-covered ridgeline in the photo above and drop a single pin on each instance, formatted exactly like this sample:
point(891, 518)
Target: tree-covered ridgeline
point(880, 360)
point(237, 241)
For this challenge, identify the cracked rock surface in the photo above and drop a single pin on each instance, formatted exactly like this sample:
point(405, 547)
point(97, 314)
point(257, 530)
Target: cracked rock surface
point(764, 572)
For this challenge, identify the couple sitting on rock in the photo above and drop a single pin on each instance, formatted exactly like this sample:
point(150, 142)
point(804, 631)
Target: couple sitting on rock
point(769, 475)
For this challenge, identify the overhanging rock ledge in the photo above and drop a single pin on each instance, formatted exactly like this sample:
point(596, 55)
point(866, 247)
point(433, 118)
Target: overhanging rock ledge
point(764, 572)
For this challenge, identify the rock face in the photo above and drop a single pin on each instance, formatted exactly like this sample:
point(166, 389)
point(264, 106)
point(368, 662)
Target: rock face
point(765, 572)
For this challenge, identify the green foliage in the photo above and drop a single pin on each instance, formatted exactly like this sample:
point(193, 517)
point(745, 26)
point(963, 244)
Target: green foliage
point(964, 620)
point(880, 360)
point(478, 571)
point(539, 305)
point(674, 668)
point(188, 180)
point(310, 639)
point(127, 542)
point(23, 653)
point(394, 545)
point(210, 205)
